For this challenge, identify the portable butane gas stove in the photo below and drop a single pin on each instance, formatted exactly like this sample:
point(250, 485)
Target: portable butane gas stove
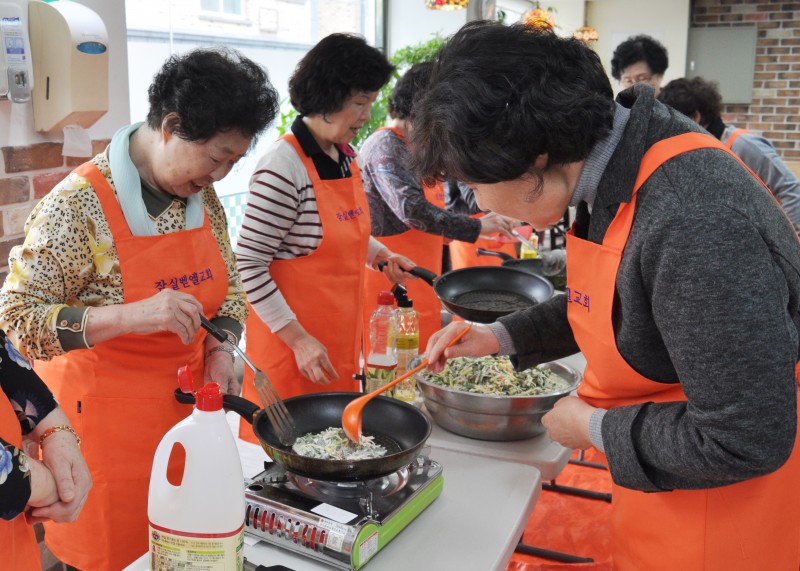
point(342, 524)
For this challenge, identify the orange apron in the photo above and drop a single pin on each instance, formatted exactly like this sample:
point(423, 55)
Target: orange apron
point(20, 549)
point(751, 525)
point(734, 136)
point(423, 249)
point(119, 395)
point(465, 254)
point(324, 289)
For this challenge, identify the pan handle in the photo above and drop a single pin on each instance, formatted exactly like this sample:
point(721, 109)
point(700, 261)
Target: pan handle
point(501, 255)
point(241, 406)
point(417, 271)
point(215, 331)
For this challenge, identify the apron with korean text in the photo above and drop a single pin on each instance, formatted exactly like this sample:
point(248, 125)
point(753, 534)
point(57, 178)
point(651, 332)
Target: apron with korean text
point(324, 289)
point(752, 525)
point(20, 550)
point(423, 249)
point(119, 395)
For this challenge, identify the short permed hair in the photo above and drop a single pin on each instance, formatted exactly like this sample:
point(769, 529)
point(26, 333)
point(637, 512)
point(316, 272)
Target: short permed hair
point(212, 90)
point(335, 68)
point(690, 96)
point(636, 49)
point(500, 96)
point(413, 83)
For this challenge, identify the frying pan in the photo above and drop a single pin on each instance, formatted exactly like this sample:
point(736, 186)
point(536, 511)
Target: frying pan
point(483, 293)
point(398, 426)
point(532, 265)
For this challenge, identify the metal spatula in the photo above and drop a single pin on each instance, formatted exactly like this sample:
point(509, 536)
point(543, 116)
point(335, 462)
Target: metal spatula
point(277, 413)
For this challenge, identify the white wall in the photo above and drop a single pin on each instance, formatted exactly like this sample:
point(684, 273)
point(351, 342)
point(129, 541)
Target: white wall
point(16, 119)
point(617, 20)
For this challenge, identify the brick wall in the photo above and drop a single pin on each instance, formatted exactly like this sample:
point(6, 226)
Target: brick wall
point(775, 109)
point(28, 173)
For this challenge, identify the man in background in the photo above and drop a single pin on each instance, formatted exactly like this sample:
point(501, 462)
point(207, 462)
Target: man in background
point(701, 101)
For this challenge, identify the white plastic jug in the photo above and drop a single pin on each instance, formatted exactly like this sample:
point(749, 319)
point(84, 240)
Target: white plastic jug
point(198, 524)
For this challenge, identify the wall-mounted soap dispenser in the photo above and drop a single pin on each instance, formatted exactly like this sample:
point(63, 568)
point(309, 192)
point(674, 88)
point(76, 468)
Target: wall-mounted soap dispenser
point(69, 47)
point(16, 79)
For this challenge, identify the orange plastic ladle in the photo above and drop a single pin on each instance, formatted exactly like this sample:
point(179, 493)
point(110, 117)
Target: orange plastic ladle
point(351, 416)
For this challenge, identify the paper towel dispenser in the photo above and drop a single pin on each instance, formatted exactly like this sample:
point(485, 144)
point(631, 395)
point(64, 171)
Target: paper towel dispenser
point(16, 79)
point(69, 48)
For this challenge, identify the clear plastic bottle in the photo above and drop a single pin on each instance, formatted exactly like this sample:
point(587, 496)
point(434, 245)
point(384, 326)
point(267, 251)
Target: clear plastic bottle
point(382, 358)
point(407, 345)
point(201, 520)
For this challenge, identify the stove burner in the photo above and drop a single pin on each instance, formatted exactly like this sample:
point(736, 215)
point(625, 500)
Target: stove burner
point(324, 520)
point(326, 491)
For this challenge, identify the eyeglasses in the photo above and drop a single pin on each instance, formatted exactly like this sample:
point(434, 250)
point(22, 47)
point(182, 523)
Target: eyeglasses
point(626, 80)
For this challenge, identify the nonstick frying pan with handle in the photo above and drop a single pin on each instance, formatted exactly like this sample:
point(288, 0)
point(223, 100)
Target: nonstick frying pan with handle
point(399, 427)
point(532, 265)
point(483, 293)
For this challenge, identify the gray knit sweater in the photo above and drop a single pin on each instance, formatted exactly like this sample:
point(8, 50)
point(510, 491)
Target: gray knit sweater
point(707, 295)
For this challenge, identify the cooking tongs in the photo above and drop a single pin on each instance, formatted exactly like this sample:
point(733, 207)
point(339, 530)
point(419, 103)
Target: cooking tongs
point(277, 413)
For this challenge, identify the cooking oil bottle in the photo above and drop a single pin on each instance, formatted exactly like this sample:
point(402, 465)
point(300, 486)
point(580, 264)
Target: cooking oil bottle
point(527, 253)
point(199, 523)
point(407, 343)
point(382, 359)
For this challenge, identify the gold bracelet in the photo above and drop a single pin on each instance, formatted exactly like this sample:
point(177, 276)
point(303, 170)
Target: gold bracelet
point(53, 429)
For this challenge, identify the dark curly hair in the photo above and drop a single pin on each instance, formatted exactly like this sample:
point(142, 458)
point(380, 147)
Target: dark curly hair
point(500, 96)
point(413, 83)
point(636, 49)
point(690, 96)
point(212, 90)
point(332, 70)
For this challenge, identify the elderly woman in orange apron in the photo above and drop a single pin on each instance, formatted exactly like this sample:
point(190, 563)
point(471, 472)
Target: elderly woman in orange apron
point(690, 330)
point(120, 261)
point(305, 241)
point(406, 215)
point(53, 488)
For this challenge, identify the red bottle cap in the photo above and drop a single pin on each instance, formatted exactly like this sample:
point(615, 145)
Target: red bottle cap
point(385, 298)
point(209, 398)
point(185, 381)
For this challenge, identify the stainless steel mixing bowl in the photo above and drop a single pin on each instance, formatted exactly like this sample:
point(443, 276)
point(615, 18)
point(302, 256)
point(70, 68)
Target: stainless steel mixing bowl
point(492, 417)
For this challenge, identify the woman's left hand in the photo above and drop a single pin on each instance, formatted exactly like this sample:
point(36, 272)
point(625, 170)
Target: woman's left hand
point(61, 454)
point(568, 423)
point(396, 269)
point(220, 369)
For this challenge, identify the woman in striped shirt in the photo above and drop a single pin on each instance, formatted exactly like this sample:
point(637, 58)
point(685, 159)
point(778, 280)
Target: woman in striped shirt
point(305, 241)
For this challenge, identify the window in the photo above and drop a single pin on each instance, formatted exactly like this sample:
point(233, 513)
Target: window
point(222, 6)
point(274, 33)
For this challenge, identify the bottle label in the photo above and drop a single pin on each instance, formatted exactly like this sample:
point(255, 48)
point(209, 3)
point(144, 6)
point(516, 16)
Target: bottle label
point(378, 376)
point(407, 342)
point(172, 550)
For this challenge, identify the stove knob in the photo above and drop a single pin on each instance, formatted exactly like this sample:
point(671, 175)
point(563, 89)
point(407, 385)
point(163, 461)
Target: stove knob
point(264, 520)
point(304, 537)
point(247, 515)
